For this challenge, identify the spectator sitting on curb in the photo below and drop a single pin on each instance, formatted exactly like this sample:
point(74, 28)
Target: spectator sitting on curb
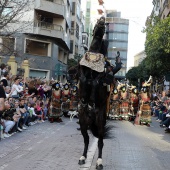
point(33, 116)
point(24, 114)
point(7, 117)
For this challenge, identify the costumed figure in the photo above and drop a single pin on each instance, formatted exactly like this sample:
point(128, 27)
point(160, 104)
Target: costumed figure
point(65, 98)
point(144, 113)
point(114, 104)
point(123, 101)
point(74, 98)
point(133, 102)
point(55, 112)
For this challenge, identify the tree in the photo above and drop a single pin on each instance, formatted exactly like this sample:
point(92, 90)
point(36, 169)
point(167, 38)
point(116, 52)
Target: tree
point(157, 47)
point(14, 18)
point(71, 62)
point(141, 72)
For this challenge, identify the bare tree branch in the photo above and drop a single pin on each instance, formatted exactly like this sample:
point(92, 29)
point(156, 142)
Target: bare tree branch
point(13, 12)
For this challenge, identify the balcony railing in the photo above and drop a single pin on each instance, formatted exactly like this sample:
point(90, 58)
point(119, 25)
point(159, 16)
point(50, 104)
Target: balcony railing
point(49, 26)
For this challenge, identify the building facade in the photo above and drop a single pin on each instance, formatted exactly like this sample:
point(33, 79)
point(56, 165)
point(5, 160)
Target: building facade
point(78, 38)
point(117, 36)
point(45, 39)
point(138, 58)
point(161, 8)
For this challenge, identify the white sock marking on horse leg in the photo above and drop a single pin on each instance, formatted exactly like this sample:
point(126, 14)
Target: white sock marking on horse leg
point(82, 158)
point(99, 161)
point(90, 155)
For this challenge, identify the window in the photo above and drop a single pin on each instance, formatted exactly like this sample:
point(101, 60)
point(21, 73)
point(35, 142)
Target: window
point(37, 48)
point(73, 8)
point(6, 11)
point(88, 10)
point(72, 27)
point(77, 31)
point(71, 46)
point(46, 19)
point(118, 27)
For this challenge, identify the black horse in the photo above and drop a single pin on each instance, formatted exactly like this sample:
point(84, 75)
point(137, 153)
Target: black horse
point(94, 78)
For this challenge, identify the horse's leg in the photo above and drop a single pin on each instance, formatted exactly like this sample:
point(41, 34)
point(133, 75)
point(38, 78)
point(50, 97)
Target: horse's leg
point(101, 128)
point(84, 127)
point(99, 164)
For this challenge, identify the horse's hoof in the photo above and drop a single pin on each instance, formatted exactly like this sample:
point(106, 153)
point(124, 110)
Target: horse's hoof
point(99, 167)
point(81, 162)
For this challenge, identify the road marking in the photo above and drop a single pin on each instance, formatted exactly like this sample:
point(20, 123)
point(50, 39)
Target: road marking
point(3, 166)
point(18, 156)
point(27, 141)
point(40, 141)
point(17, 147)
point(90, 155)
point(3, 155)
point(29, 149)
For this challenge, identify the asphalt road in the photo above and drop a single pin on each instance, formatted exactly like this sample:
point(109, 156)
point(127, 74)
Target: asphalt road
point(58, 146)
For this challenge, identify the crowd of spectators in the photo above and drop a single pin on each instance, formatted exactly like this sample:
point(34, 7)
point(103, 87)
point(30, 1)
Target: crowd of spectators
point(22, 108)
point(160, 107)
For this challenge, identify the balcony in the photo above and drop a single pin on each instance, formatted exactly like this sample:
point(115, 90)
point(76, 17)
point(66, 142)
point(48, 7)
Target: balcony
point(55, 7)
point(48, 29)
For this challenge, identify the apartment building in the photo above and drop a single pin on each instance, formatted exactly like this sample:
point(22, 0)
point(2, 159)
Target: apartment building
point(45, 39)
point(117, 35)
point(164, 10)
point(161, 8)
point(78, 38)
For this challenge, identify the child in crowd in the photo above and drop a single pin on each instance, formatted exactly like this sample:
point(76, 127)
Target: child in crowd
point(39, 110)
point(32, 115)
point(45, 109)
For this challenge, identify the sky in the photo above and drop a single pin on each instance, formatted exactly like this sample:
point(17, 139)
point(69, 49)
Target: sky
point(136, 11)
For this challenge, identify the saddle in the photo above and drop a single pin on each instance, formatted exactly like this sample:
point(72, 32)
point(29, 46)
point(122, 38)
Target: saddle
point(93, 61)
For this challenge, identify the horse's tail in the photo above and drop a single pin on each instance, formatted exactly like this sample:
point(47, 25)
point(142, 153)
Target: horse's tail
point(107, 130)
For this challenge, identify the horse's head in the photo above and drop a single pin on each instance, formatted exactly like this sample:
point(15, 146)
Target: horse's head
point(99, 28)
point(98, 32)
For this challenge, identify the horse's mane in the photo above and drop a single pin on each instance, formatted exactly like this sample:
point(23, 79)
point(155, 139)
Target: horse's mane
point(104, 47)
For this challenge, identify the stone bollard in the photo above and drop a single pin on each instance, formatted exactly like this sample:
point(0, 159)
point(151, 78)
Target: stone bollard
point(26, 66)
point(13, 63)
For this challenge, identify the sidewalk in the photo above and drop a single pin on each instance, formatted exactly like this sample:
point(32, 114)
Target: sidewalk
point(136, 147)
